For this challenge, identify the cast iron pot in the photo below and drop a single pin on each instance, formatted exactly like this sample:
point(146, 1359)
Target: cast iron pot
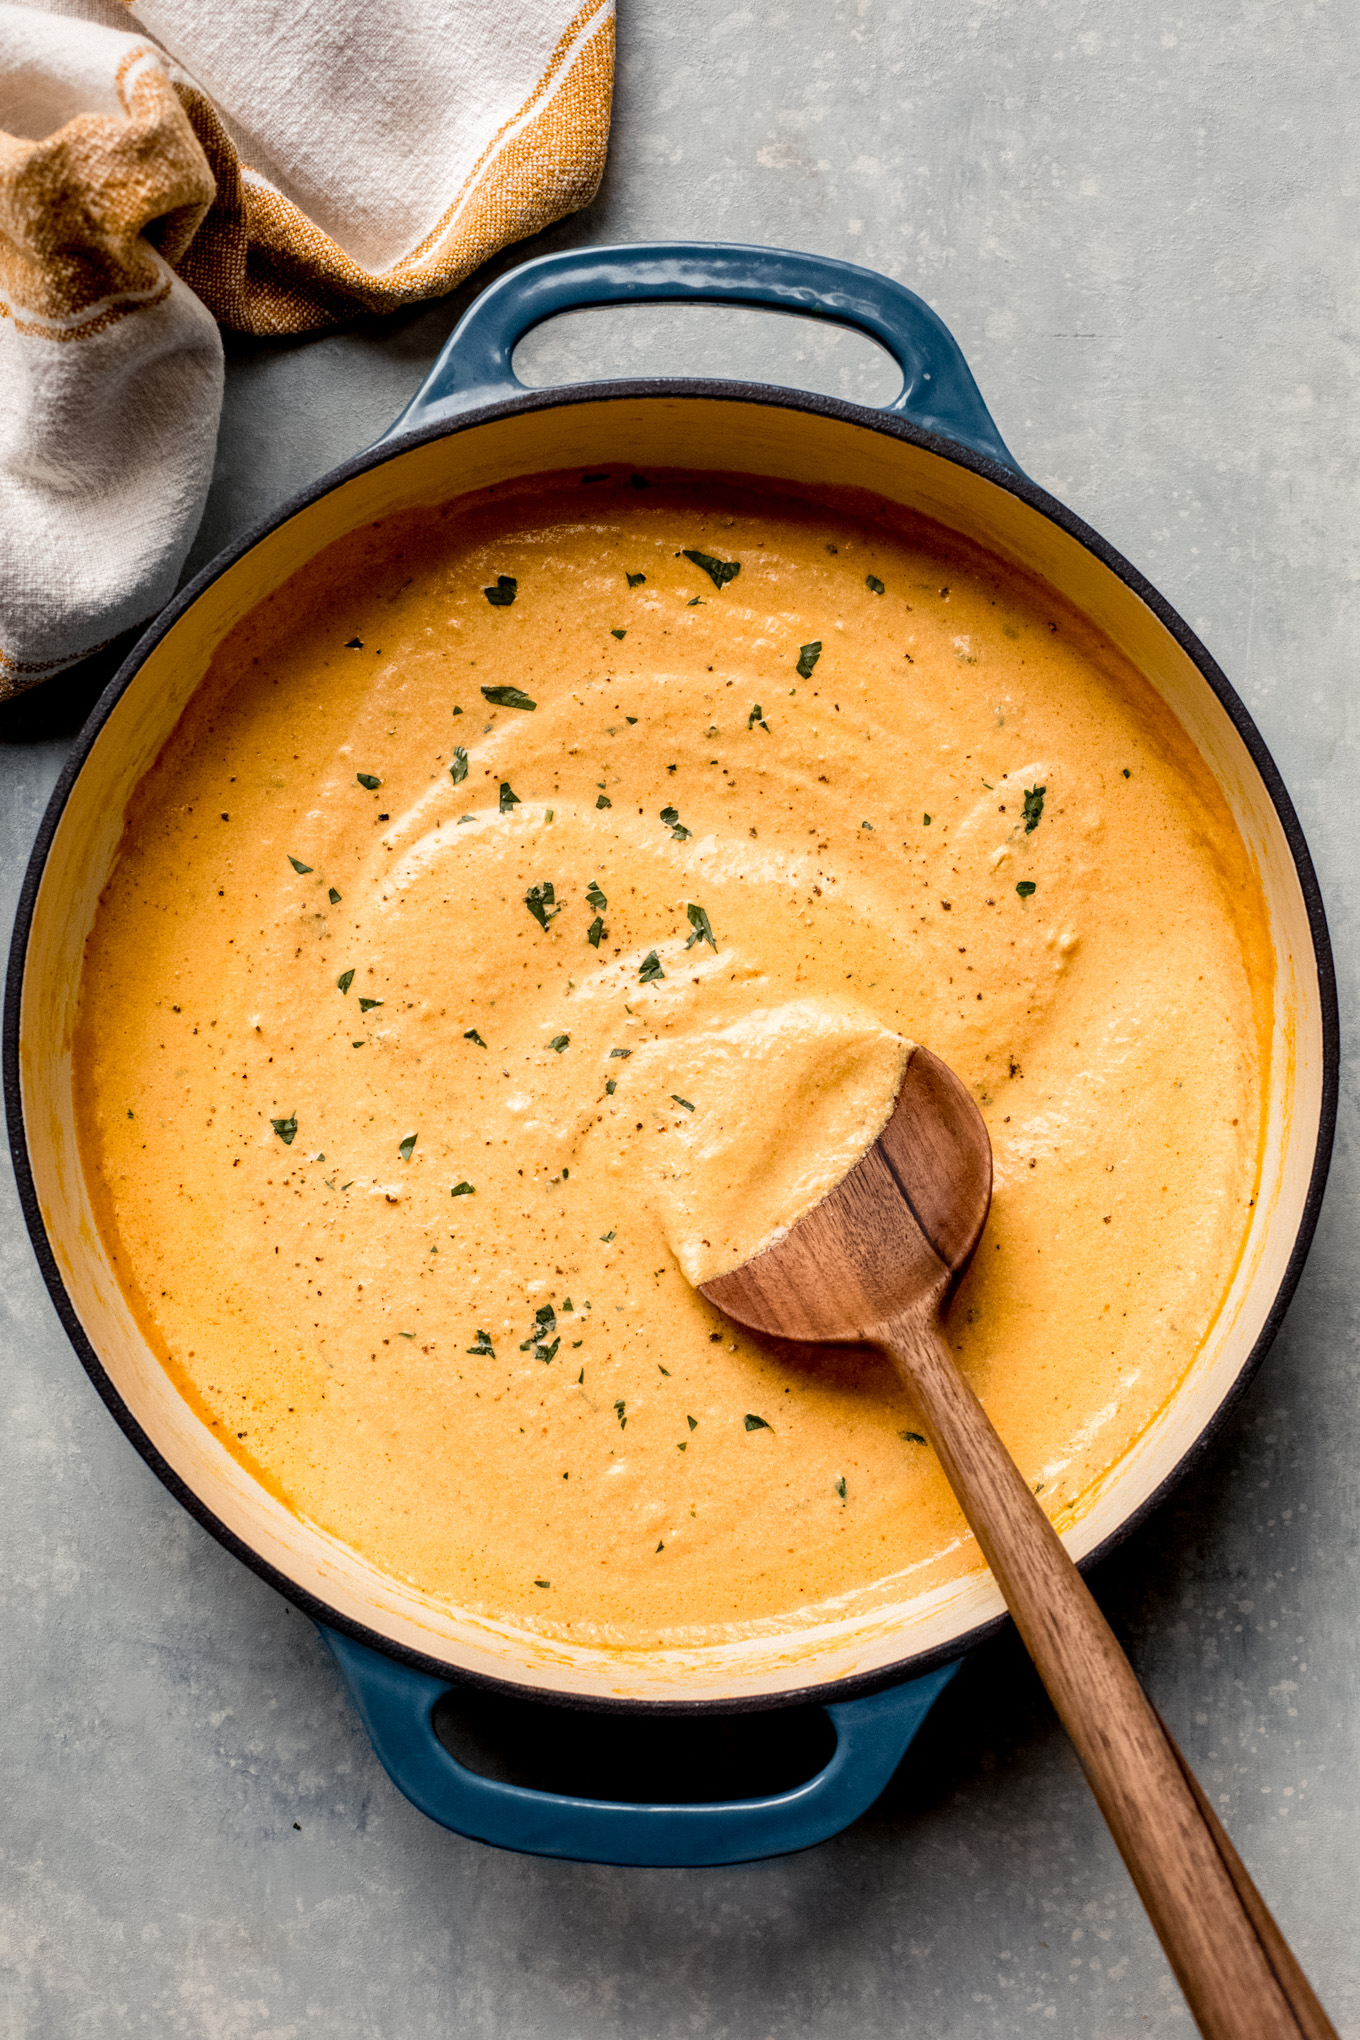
point(934, 450)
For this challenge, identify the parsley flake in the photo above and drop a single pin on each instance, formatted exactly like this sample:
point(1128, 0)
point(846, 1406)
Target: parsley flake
point(618, 633)
point(756, 1423)
point(1027, 888)
point(548, 1583)
point(595, 897)
point(286, 1129)
point(636, 580)
point(719, 572)
point(610, 1087)
point(504, 592)
point(508, 697)
point(546, 1353)
point(594, 932)
point(1127, 773)
point(1034, 807)
point(693, 1423)
point(559, 1042)
point(808, 656)
point(873, 584)
point(463, 1190)
point(298, 865)
point(618, 1412)
point(912, 1437)
point(367, 1005)
point(408, 1146)
point(671, 817)
point(354, 644)
point(542, 903)
point(649, 970)
point(606, 1237)
point(840, 1487)
point(757, 715)
point(473, 1035)
point(483, 1344)
point(682, 1101)
point(508, 798)
point(458, 771)
point(334, 897)
point(702, 926)
point(344, 981)
point(604, 801)
point(622, 1052)
point(926, 820)
point(369, 780)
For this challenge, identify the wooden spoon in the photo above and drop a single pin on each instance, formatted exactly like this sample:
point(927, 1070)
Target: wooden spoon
point(878, 1261)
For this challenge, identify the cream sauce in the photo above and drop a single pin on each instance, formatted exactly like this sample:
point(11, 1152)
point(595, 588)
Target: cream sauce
point(407, 1162)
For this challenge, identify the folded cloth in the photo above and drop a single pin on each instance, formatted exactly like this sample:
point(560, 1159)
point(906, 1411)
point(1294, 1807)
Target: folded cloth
point(275, 168)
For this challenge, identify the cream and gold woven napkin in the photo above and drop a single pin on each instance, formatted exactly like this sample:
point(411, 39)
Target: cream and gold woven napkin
point(273, 166)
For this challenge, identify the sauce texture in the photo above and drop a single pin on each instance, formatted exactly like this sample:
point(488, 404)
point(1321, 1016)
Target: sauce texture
point(531, 913)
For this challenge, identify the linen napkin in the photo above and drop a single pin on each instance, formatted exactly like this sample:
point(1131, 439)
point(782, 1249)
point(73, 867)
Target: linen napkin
point(273, 166)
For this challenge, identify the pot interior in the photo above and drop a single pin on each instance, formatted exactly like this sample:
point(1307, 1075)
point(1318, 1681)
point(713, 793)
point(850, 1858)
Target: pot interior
point(727, 432)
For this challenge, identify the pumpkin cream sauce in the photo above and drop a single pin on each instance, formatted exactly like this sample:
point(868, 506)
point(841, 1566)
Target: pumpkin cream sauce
point(531, 914)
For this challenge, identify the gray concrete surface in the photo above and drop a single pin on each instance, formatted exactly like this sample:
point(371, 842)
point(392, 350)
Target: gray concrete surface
point(1141, 223)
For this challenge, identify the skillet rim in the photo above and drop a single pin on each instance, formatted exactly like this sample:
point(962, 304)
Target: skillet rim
point(771, 396)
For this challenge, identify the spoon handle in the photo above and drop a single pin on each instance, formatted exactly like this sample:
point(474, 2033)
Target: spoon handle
point(1238, 1974)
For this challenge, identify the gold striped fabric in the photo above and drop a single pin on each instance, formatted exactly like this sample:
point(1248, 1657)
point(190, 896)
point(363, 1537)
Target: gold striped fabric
point(272, 167)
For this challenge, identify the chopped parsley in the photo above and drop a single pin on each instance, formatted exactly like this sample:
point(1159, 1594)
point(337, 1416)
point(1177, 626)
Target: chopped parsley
point(618, 633)
point(756, 1423)
point(719, 572)
point(589, 478)
point(618, 1412)
point(546, 1353)
point(459, 769)
point(508, 697)
point(473, 1035)
point(286, 1129)
point(682, 1101)
point(622, 1052)
point(808, 656)
point(594, 932)
point(757, 715)
point(606, 1237)
point(298, 865)
point(693, 1423)
point(926, 820)
point(1127, 773)
point(840, 1487)
point(344, 981)
point(1026, 888)
point(702, 926)
point(649, 970)
point(367, 1005)
point(559, 1042)
point(408, 1146)
point(542, 903)
point(508, 798)
point(504, 592)
point(1034, 807)
point(636, 580)
point(912, 1437)
point(334, 897)
point(464, 1190)
point(604, 801)
point(671, 817)
point(354, 644)
point(369, 780)
point(483, 1344)
point(610, 1087)
point(595, 897)
point(873, 584)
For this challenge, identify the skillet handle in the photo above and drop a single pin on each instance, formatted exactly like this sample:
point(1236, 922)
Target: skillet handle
point(396, 1704)
point(938, 391)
